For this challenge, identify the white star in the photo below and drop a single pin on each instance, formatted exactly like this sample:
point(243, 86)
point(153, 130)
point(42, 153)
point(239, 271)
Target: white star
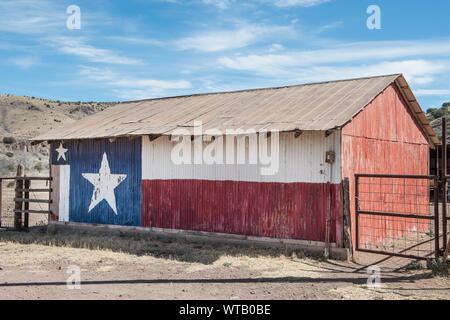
point(104, 184)
point(61, 152)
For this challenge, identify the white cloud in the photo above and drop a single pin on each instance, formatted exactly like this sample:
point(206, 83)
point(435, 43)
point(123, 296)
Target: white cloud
point(133, 88)
point(151, 83)
point(236, 37)
point(24, 62)
point(225, 40)
point(269, 64)
point(329, 26)
point(349, 52)
point(432, 92)
point(139, 41)
point(350, 60)
point(296, 3)
point(222, 4)
point(30, 16)
point(76, 46)
point(139, 94)
point(276, 47)
point(415, 71)
point(42, 17)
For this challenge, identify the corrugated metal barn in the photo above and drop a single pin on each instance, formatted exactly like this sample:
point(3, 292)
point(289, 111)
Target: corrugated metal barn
point(115, 167)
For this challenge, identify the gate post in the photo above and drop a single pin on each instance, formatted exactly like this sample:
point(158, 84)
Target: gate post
point(1, 199)
point(26, 204)
point(444, 183)
point(347, 225)
point(356, 212)
point(18, 205)
point(437, 187)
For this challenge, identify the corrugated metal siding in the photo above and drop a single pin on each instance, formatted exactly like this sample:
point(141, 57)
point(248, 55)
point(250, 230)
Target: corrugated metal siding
point(301, 159)
point(238, 199)
point(383, 139)
point(277, 210)
point(124, 157)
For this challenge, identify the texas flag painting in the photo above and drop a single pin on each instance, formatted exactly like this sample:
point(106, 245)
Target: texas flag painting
point(99, 181)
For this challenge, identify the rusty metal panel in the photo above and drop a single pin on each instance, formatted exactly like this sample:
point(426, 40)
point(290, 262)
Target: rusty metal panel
point(276, 210)
point(317, 107)
point(384, 138)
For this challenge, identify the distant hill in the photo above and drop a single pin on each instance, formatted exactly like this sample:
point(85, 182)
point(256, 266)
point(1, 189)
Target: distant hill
point(22, 118)
point(435, 116)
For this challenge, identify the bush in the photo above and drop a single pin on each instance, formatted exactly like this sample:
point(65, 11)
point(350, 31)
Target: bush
point(437, 113)
point(11, 168)
point(9, 154)
point(438, 266)
point(33, 107)
point(414, 265)
point(39, 166)
point(8, 140)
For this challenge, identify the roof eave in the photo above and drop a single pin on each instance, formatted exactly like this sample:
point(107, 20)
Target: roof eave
point(417, 111)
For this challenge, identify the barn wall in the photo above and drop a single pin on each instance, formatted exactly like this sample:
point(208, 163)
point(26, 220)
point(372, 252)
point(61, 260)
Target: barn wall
point(383, 139)
point(237, 199)
point(154, 192)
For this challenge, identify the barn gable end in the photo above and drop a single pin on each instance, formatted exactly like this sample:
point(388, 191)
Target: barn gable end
point(384, 138)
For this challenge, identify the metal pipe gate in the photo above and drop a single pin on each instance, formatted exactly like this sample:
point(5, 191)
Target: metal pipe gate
point(399, 215)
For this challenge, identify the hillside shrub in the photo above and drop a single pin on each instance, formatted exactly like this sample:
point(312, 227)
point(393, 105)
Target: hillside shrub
point(8, 140)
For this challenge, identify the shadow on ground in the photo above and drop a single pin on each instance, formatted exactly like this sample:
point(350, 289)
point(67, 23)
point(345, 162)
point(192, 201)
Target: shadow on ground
point(350, 280)
point(145, 244)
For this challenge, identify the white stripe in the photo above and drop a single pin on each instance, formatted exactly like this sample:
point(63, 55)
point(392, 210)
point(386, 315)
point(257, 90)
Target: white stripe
point(301, 159)
point(64, 191)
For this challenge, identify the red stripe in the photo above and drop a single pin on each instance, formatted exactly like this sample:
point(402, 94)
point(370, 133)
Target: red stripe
point(276, 210)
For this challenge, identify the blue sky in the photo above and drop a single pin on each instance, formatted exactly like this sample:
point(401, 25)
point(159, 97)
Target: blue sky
point(137, 49)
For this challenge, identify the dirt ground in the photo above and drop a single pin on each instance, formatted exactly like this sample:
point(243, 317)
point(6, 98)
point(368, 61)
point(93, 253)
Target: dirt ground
point(35, 265)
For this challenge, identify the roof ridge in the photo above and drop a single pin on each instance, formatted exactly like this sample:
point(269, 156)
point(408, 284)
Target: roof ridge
point(268, 88)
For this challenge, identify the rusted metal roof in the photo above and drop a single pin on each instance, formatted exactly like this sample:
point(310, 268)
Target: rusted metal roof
point(309, 107)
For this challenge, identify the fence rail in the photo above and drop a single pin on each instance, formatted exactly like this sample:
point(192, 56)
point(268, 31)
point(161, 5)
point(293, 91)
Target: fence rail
point(21, 196)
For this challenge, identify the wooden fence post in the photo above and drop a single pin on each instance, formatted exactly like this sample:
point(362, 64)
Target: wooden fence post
point(1, 199)
point(18, 205)
point(26, 204)
point(347, 217)
point(447, 248)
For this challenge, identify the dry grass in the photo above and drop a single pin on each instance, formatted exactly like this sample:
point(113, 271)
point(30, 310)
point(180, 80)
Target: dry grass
point(107, 252)
point(273, 267)
point(32, 255)
point(362, 292)
point(144, 245)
